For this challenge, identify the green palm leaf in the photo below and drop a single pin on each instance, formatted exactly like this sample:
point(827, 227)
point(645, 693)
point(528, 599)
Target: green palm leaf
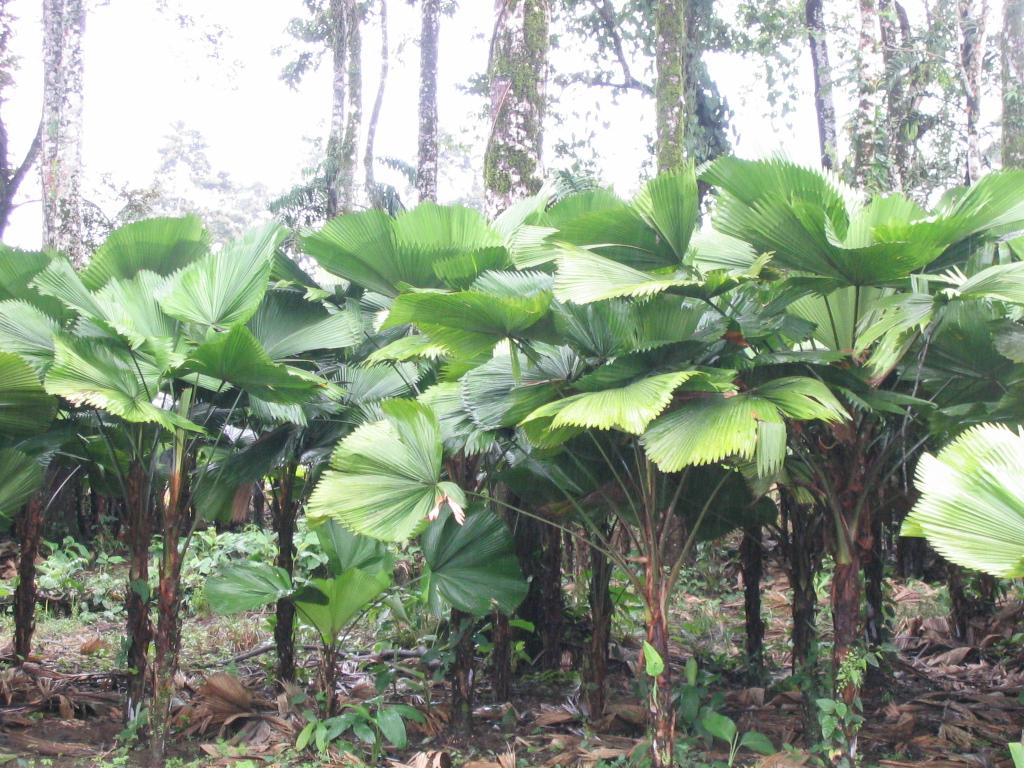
point(225, 288)
point(972, 501)
point(236, 357)
point(385, 477)
point(95, 372)
point(25, 407)
point(28, 332)
point(328, 605)
point(286, 324)
point(346, 550)
point(584, 277)
point(473, 566)
point(748, 425)
point(246, 587)
point(20, 477)
point(158, 245)
point(630, 408)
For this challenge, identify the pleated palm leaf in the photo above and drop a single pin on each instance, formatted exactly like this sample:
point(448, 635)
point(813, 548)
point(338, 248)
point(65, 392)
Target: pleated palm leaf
point(971, 507)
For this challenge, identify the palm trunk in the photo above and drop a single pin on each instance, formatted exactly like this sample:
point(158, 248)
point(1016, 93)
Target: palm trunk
point(139, 534)
point(595, 665)
point(824, 107)
point(177, 518)
point(426, 159)
point(501, 657)
point(285, 513)
point(865, 137)
point(661, 711)
point(30, 534)
point(803, 548)
point(461, 628)
point(751, 561)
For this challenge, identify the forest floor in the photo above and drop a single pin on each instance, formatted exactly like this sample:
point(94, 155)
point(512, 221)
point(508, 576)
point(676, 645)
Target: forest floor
point(938, 702)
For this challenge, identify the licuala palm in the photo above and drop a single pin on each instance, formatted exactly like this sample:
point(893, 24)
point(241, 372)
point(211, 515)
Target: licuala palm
point(868, 276)
point(157, 360)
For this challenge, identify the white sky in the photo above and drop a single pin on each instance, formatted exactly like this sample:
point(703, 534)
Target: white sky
point(143, 72)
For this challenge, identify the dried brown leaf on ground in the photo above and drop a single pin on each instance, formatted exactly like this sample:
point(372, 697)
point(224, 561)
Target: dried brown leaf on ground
point(432, 759)
point(44, 747)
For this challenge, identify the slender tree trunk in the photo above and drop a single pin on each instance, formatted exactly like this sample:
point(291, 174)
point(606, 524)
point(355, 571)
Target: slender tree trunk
point(873, 559)
point(285, 512)
point(426, 159)
point(30, 535)
point(669, 94)
point(139, 534)
point(661, 711)
point(462, 673)
point(595, 664)
point(972, 16)
point(501, 654)
point(346, 109)
point(824, 107)
point(896, 146)
point(372, 193)
point(752, 566)
point(517, 72)
point(868, 117)
point(539, 550)
point(803, 549)
point(177, 518)
point(1013, 83)
point(61, 141)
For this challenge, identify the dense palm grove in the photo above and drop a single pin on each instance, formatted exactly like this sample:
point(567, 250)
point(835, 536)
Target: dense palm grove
point(446, 416)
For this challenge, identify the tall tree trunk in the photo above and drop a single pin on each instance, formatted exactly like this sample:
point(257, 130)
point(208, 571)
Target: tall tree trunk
point(669, 95)
point(824, 107)
point(426, 158)
point(897, 146)
point(61, 141)
point(1013, 83)
point(868, 117)
point(539, 549)
point(285, 512)
point(346, 105)
point(177, 519)
point(30, 535)
point(972, 16)
point(139, 534)
point(595, 664)
point(706, 112)
point(873, 560)
point(372, 193)
point(751, 561)
point(517, 73)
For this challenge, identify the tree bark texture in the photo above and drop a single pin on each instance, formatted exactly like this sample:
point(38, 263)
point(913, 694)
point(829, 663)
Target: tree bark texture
point(972, 16)
point(346, 105)
point(30, 535)
point(139, 533)
point(868, 118)
point(539, 549)
point(426, 158)
point(1013, 83)
point(661, 711)
point(61, 141)
point(824, 107)
point(669, 95)
point(517, 74)
point(372, 192)
point(751, 562)
point(706, 112)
